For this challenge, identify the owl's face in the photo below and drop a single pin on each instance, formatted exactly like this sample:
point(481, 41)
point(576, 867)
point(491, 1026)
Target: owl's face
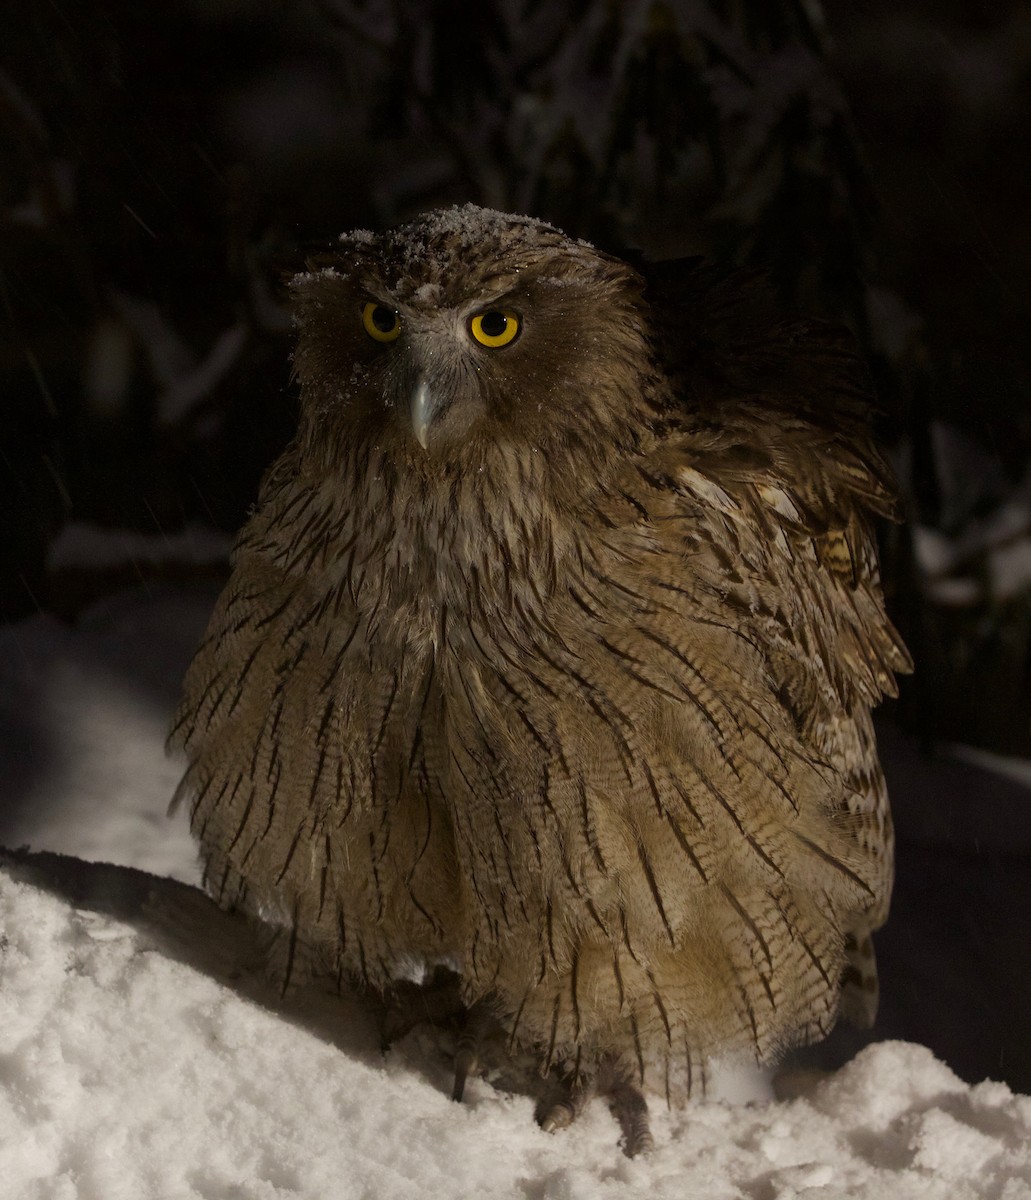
point(468, 329)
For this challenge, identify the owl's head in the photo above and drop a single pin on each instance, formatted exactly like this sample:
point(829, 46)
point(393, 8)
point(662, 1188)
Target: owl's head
point(467, 329)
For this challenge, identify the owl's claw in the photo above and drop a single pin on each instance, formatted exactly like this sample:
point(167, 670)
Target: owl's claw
point(465, 1062)
point(630, 1109)
point(438, 1003)
point(467, 1049)
point(626, 1102)
point(562, 1114)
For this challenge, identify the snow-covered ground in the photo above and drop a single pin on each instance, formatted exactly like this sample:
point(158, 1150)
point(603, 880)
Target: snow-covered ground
point(142, 1054)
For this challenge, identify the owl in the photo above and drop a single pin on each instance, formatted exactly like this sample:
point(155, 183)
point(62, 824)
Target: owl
point(548, 656)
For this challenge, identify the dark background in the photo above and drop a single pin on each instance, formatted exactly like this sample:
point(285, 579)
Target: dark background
point(162, 166)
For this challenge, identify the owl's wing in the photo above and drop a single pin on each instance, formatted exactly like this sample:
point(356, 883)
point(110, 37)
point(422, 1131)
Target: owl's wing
point(780, 415)
point(774, 453)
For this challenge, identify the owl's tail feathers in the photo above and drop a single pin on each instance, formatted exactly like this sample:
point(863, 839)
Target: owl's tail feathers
point(860, 990)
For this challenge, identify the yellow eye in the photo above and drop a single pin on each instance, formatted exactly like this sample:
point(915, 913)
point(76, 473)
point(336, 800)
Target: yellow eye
point(495, 327)
point(380, 322)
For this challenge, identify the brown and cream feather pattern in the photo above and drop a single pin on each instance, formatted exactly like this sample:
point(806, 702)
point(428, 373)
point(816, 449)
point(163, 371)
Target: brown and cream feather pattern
point(572, 691)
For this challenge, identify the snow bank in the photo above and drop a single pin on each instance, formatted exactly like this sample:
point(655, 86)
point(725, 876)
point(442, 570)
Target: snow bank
point(140, 1057)
point(84, 712)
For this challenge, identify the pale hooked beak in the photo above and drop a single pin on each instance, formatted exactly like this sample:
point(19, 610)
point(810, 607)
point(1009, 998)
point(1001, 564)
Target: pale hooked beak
point(424, 409)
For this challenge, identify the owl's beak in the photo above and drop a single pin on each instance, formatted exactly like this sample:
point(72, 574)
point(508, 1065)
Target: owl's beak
point(424, 409)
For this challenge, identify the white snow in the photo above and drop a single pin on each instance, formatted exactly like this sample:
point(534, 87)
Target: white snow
point(470, 222)
point(975, 559)
point(142, 1054)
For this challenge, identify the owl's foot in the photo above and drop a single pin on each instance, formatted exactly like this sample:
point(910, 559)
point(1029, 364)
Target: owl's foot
point(437, 1002)
point(626, 1103)
point(477, 1021)
point(629, 1107)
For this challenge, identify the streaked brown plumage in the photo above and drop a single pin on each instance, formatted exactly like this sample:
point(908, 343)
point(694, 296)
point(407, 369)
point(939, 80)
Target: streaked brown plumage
point(553, 660)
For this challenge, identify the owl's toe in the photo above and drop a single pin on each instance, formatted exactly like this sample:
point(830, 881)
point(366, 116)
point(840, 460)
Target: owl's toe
point(630, 1109)
point(555, 1114)
point(477, 1020)
point(626, 1102)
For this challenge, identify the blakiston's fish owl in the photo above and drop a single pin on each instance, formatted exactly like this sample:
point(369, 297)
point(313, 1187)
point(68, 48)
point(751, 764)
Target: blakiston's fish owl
point(549, 653)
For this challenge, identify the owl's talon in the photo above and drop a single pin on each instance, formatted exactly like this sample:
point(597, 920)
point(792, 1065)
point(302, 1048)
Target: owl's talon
point(559, 1116)
point(465, 1062)
point(562, 1113)
point(630, 1109)
point(626, 1102)
point(467, 1049)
